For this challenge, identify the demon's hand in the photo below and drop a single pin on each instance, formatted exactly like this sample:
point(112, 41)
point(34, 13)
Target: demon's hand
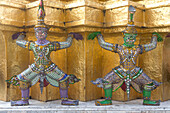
point(93, 35)
point(13, 80)
point(77, 36)
point(19, 35)
point(159, 38)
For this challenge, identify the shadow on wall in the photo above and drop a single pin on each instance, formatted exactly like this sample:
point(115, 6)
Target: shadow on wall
point(2, 67)
point(166, 60)
point(166, 68)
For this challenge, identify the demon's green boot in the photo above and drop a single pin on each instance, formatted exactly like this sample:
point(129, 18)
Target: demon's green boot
point(108, 98)
point(147, 96)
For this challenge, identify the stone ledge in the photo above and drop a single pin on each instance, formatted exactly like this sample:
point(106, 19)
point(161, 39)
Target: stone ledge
point(134, 106)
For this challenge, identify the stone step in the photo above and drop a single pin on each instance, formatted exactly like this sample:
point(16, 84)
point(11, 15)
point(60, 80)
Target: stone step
point(134, 106)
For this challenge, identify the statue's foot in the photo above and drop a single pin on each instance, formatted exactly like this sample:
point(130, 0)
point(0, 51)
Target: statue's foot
point(67, 102)
point(152, 103)
point(19, 103)
point(103, 103)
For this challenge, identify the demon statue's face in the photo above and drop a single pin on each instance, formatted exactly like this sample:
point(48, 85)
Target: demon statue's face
point(41, 33)
point(129, 39)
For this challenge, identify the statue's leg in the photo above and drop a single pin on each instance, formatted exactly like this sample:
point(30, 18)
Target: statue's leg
point(25, 95)
point(146, 85)
point(64, 94)
point(108, 97)
point(147, 95)
point(109, 83)
point(26, 79)
point(58, 78)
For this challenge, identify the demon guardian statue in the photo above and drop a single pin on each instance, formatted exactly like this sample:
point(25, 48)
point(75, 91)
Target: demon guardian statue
point(43, 69)
point(127, 73)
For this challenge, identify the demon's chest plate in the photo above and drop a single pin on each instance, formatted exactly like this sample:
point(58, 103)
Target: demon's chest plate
point(41, 52)
point(128, 57)
point(42, 56)
point(129, 54)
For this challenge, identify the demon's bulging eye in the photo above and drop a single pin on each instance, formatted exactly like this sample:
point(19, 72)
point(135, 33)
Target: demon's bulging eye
point(127, 37)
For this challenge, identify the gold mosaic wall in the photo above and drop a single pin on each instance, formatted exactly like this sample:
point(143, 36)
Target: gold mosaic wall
point(54, 13)
point(151, 63)
point(86, 59)
point(117, 13)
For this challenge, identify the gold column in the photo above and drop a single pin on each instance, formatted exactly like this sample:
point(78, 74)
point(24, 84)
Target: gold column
point(13, 58)
point(84, 57)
